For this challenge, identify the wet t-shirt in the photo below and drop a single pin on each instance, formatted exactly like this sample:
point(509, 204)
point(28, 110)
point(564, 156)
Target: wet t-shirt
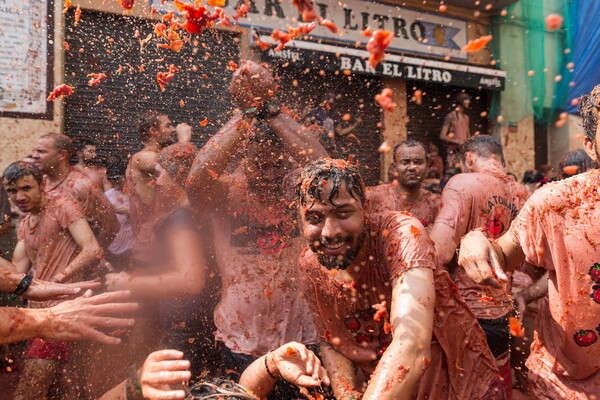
point(489, 201)
point(257, 249)
point(96, 207)
point(459, 125)
point(95, 174)
point(462, 365)
point(124, 240)
point(383, 198)
point(48, 243)
point(558, 229)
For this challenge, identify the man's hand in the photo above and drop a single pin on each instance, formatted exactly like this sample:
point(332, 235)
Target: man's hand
point(298, 365)
point(479, 259)
point(81, 318)
point(161, 369)
point(184, 133)
point(521, 305)
point(251, 85)
point(43, 290)
point(117, 281)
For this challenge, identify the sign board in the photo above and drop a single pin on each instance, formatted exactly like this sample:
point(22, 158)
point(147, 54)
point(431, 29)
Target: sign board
point(312, 55)
point(25, 62)
point(414, 31)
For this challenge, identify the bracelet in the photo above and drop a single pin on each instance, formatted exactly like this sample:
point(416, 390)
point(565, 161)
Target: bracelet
point(23, 285)
point(133, 388)
point(269, 110)
point(267, 367)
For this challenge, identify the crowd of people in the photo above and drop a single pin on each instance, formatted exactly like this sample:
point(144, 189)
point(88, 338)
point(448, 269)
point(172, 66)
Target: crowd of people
point(260, 267)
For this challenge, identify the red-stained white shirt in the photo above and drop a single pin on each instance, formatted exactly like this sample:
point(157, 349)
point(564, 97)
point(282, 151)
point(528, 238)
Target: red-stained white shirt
point(559, 229)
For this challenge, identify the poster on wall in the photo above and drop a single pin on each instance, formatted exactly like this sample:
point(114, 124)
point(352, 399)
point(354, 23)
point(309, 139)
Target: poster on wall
point(25, 58)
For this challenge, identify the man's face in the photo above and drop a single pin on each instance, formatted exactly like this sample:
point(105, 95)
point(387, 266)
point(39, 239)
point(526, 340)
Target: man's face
point(165, 132)
point(335, 231)
point(88, 154)
point(466, 103)
point(411, 166)
point(592, 147)
point(25, 193)
point(46, 157)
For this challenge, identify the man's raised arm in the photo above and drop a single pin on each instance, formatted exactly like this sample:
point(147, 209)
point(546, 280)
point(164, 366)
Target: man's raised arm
point(411, 316)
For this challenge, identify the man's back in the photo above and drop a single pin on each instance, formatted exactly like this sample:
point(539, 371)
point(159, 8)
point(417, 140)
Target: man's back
point(487, 201)
point(257, 249)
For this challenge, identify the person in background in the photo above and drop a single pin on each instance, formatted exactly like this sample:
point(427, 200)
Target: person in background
point(118, 254)
point(87, 163)
point(456, 129)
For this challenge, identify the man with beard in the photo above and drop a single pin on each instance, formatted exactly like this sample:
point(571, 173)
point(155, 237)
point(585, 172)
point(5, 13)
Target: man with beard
point(146, 203)
point(484, 198)
point(56, 244)
point(456, 129)
point(86, 162)
point(52, 154)
point(405, 192)
point(557, 229)
point(429, 345)
point(254, 230)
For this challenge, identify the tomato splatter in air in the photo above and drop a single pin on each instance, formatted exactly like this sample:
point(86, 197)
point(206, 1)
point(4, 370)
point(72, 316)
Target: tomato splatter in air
point(477, 44)
point(377, 44)
point(163, 78)
point(77, 15)
point(306, 8)
point(385, 100)
point(60, 91)
point(127, 4)
point(96, 79)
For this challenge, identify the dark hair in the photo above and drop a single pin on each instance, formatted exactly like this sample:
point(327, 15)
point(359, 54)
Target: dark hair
point(315, 176)
point(532, 176)
point(80, 144)
point(116, 170)
point(578, 158)
point(60, 142)
point(588, 109)
point(177, 160)
point(410, 143)
point(483, 146)
point(21, 169)
point(218, 388)
point(461, 97)
point(147, 121)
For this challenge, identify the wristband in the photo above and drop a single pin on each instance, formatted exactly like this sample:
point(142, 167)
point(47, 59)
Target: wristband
point(133, 388)
point(250, 112)
point(23, 285)
point(267, 367)
point(269, 110)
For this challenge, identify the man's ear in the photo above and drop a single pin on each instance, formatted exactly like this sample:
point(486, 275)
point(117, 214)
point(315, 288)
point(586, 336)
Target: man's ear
point(469, 160)
point(590, 148)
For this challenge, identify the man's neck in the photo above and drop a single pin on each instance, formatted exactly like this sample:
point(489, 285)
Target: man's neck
point(492, 167)
point(353, 270)
point(57, 174)
point(83, 165)
point(37, 210)
point(153, 146)
point(408, 195)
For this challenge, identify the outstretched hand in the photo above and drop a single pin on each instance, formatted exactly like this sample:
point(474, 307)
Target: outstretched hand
point(298, 365)
point(162, 369)
point(479, 259)
point(83, 317)
point(251, 85)
point(44, 290)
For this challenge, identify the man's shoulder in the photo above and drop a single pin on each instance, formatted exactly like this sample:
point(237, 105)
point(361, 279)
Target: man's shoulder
point(568, 192)
point(381, 223)
point(79, 182)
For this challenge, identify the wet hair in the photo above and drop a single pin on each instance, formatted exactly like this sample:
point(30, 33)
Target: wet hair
point(80, 144)
point(483, 146)
point(461, 97)
point(578, 158)
point(221, 389)
point(532, 176)
point(60, 142)
point(410, 143)
point(589, 106)
point(315, 176)
point(21, 169)
point(147, 121)
point(177, 160)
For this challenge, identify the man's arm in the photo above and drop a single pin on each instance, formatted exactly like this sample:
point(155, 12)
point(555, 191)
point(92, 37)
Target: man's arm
point(344, 131)
point(70, 320)
point(443, 238)
point(445, 130)
point(90, 249)
point(340, 371)
point(411, 316)
point(303, 146)
point(186, 278)
point(21, 260)
point(203, 186)
point(485, 261)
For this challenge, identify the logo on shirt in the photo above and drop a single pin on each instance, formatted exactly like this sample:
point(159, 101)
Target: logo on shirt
point(587, 337)
point(498, 215)
point(253, 233)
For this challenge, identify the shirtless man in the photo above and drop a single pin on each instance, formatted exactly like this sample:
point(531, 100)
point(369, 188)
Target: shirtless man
point(86, 162)
point(556, 230)
point(255, 232)
point(456, 129)
point(146, 204)
point(57, 244)
point(485, 198)
point(52, 154)
point(405, 193)
point(360, 263)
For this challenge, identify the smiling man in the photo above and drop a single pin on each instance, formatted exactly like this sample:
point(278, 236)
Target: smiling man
point(405, 193)
point(359, 264)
